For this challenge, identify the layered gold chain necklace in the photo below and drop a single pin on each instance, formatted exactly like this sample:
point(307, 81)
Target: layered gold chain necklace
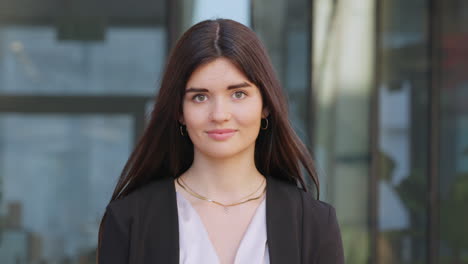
point(243, 200)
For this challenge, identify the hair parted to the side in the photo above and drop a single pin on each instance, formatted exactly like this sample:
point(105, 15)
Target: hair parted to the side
point(163, 152)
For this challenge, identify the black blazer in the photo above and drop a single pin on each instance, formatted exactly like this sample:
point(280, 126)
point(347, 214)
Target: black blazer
point(142, 227)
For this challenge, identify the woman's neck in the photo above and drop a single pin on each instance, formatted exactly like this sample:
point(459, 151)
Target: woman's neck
point(223, 179)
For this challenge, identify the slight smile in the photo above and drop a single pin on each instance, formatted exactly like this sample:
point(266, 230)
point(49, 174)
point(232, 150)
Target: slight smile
point(221, 134)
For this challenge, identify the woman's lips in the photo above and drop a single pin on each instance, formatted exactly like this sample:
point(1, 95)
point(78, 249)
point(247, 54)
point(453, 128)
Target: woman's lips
point(221, 134)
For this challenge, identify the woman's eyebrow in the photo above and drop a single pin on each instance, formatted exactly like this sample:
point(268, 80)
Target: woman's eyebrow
point(204, 90)
point(196, 90)
point(240, 85)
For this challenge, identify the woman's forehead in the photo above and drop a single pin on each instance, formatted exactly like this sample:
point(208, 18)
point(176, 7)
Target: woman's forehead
point(221, 71)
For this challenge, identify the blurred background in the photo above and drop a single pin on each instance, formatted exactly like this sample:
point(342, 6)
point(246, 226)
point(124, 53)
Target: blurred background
point(377, 89)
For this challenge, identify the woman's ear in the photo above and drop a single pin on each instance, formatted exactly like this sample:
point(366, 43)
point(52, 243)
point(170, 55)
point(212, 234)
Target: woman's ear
point(181, 120)
point(265, 112)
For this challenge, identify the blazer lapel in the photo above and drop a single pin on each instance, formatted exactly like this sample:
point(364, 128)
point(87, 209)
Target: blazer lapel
point(173, 224)
point(162, 229)
point(284, 222)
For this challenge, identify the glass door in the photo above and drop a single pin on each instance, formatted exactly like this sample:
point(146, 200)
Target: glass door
point(57, 173)
point(75, 81)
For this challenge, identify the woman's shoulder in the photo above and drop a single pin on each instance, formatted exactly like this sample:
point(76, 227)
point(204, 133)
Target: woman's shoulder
point(322, 230)
point(298, 195)
point(311, 203)
point(142, 197)
point(316, 210)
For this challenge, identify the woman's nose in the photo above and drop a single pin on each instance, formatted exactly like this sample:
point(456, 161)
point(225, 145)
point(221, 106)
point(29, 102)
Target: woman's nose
point(220, 111)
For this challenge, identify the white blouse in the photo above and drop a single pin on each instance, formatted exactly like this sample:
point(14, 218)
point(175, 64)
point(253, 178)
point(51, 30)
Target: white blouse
point(196, 247)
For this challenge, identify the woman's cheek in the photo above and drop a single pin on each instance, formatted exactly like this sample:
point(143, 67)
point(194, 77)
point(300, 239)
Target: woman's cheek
point(250, 115)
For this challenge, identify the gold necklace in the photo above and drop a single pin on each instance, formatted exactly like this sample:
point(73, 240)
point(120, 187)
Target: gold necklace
point(225, 206)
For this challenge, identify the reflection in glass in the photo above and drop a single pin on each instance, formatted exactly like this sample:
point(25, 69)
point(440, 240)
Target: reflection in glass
point(190, 12)
point(343, 74)
point(286, 37)
point(403, 138)
point(454, 133)
point(34, 61)
point(56, 177)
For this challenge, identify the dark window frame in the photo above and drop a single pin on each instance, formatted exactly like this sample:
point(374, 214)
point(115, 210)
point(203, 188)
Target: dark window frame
point(134, 106)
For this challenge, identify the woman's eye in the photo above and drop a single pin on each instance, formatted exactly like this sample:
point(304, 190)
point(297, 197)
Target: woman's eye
point(199, 98)
point(239, 95)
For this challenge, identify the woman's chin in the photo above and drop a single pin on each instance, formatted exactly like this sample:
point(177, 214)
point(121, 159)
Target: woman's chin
point(220, 152)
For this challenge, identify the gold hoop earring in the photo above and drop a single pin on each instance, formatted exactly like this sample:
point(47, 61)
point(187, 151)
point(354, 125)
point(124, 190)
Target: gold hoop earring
point(181, 130)
point(266, 126)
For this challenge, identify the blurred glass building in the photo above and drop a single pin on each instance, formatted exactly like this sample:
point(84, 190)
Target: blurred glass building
point(377, 89)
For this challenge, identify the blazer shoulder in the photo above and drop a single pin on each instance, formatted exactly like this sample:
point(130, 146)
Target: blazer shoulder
point(320, 212)
point(322, 230)
point(141, 197)
point(309, 202)
point(319, 207)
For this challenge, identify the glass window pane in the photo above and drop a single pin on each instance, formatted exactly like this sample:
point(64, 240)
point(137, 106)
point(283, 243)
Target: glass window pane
point(34, 60)
point(403, 92)
point(454, 133)
point(343, 76)
point(286, 37)
point(190, 12)
point(238, 10)
point(57, 174)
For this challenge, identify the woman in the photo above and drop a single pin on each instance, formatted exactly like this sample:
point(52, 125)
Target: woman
point(216, 176)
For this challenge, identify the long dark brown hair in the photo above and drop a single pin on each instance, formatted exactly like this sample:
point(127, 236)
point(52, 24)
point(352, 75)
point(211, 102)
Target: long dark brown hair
point(163, 152)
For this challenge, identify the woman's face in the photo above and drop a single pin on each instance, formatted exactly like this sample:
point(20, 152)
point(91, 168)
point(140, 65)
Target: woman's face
point(222, 110)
